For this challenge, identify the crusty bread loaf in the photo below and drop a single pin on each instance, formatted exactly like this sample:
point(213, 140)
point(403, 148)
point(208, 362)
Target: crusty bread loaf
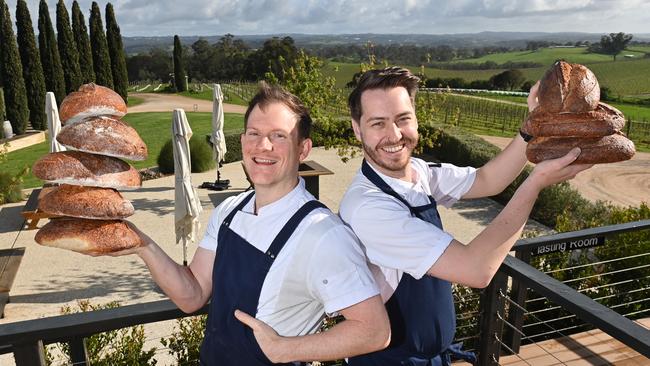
point(568, 88)
point(604, 120)
point(86, 202)
point(105, 136)
point(95, 237)
point(91, 100)
point(594, 150)
point(84, 169)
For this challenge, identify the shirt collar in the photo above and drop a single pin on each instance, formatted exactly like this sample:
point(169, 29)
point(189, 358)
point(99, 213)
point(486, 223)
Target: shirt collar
point(280, 205)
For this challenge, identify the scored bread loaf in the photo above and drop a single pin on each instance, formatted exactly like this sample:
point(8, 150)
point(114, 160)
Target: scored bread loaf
point(594, 150)
point(86, 202)
point(91, 100)
point(105, 136)
point(568, 87)
point(84, 169)
point(604, 120)
point(95, 237)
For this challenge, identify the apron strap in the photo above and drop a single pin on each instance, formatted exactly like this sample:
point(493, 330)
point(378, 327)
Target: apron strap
point(290, 227)
point(384, 187)
point(239, 207)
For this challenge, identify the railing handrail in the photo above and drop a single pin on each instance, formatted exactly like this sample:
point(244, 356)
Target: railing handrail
point(532, 243)
point(590, 311)
point(65, 327)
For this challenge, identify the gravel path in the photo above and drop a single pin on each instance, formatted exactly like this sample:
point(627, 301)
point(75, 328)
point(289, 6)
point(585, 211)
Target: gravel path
point(160, 102)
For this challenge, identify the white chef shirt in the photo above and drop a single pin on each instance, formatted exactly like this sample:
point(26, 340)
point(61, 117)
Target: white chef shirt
point(320, 269)
point(396, 242)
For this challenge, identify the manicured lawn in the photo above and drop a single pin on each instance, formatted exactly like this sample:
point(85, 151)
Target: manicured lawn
point(154, 128)
point(133, 101)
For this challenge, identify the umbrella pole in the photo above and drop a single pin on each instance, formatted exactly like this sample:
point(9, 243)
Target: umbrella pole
point(219, 184)
point(184, 251)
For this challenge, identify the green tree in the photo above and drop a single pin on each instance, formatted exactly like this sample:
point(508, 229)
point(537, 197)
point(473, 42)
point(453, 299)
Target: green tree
point(11, 73)
point(614, 43)
point(99, 46)
point(67, 49)
point(508, 80)
point(179, 67)
point(32, 68)
point(80, 32)
point(116, 52)
point(50, 58)
point(269, 57)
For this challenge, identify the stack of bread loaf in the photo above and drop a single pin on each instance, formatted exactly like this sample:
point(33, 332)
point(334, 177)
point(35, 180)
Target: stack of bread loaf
point(571, 115)
point(89, 174)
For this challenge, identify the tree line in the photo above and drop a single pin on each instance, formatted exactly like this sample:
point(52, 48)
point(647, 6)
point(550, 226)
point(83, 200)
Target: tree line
point(227, 59)
point(64, 60)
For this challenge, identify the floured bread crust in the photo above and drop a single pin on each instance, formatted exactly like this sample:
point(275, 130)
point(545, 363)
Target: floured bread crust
point(86, 202)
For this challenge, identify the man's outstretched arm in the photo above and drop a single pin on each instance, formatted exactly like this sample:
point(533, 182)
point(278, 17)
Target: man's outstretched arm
point(189, 287)
point(475, 264)
point(365, 329)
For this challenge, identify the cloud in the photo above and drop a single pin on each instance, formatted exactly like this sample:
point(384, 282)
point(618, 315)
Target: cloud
point(214, 17)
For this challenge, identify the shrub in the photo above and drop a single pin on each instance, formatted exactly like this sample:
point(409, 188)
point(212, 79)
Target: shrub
point(200, 156)
point(185, 343)
point(233, 148)
point(10, 188)
point(122, 347)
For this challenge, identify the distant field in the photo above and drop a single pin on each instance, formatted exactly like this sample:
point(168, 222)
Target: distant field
point(624, 77)
point(546, 56)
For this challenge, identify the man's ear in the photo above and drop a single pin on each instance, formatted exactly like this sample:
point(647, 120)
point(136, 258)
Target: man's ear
point(357, 129)
point(305, 148)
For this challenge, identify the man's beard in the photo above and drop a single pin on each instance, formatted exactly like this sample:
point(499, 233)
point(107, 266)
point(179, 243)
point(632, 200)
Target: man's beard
point(391, 165)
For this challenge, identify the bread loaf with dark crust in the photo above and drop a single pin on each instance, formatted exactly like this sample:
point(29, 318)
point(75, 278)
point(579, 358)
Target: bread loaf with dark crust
point(594, 150)
point(84, 169)
point(604, 120)
point(91, 100)
point(86, 202)
point(105, 136)
point(568, 87)
point(95, 237)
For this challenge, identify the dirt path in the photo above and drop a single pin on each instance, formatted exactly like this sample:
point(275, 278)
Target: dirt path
point(626, 183)
point(159, 102)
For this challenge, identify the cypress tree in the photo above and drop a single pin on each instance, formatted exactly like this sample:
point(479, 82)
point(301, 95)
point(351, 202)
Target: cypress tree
point(101, 59)
point(67, 49)
point(116, 52)
point(179, 68)
point(80, 32)
point(49, 50)
point(11, 71)
point(32, 68)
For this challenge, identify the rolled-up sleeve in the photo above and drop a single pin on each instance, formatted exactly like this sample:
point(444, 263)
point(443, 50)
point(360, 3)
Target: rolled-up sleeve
point(339, 276)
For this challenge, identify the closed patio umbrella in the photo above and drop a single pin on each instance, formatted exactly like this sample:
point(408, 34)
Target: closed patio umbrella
point(217, 139)
point(187, 205)
point(53, 122)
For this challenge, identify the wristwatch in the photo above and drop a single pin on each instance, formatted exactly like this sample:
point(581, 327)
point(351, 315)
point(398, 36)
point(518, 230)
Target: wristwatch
point(525, 136)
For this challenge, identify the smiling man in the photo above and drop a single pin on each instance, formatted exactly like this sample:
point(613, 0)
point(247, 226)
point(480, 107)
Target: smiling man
point(274, 261)
point(392, 207)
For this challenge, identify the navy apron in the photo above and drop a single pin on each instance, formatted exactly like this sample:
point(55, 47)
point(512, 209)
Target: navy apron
point(421, 312)
point(237, 278)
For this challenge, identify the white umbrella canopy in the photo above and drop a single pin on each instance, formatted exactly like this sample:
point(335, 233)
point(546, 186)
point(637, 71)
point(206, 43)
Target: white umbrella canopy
point(187, 205)
point(53, 122)
point(217, 138)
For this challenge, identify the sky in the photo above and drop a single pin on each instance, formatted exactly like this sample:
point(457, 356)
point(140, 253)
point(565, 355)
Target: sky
point(242, 17)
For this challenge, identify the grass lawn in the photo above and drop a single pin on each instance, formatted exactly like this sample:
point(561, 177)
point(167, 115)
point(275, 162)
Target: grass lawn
point(154, 128)
point(133, 101)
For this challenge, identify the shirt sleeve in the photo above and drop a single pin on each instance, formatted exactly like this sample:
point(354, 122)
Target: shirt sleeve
point(338, 274)
point(395, 239)
point(449, 183)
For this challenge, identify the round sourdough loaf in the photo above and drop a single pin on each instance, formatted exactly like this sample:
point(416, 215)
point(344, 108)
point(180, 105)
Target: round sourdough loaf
point(594, 150)
point(91, 100)
point(86, 202)
point(105, 136)
point(94, 237)
point(84, 169)
point(568, 88)
point(604, 120)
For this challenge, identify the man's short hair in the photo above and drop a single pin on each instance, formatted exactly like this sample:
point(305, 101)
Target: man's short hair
point(268, 94)
point(390, 77)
